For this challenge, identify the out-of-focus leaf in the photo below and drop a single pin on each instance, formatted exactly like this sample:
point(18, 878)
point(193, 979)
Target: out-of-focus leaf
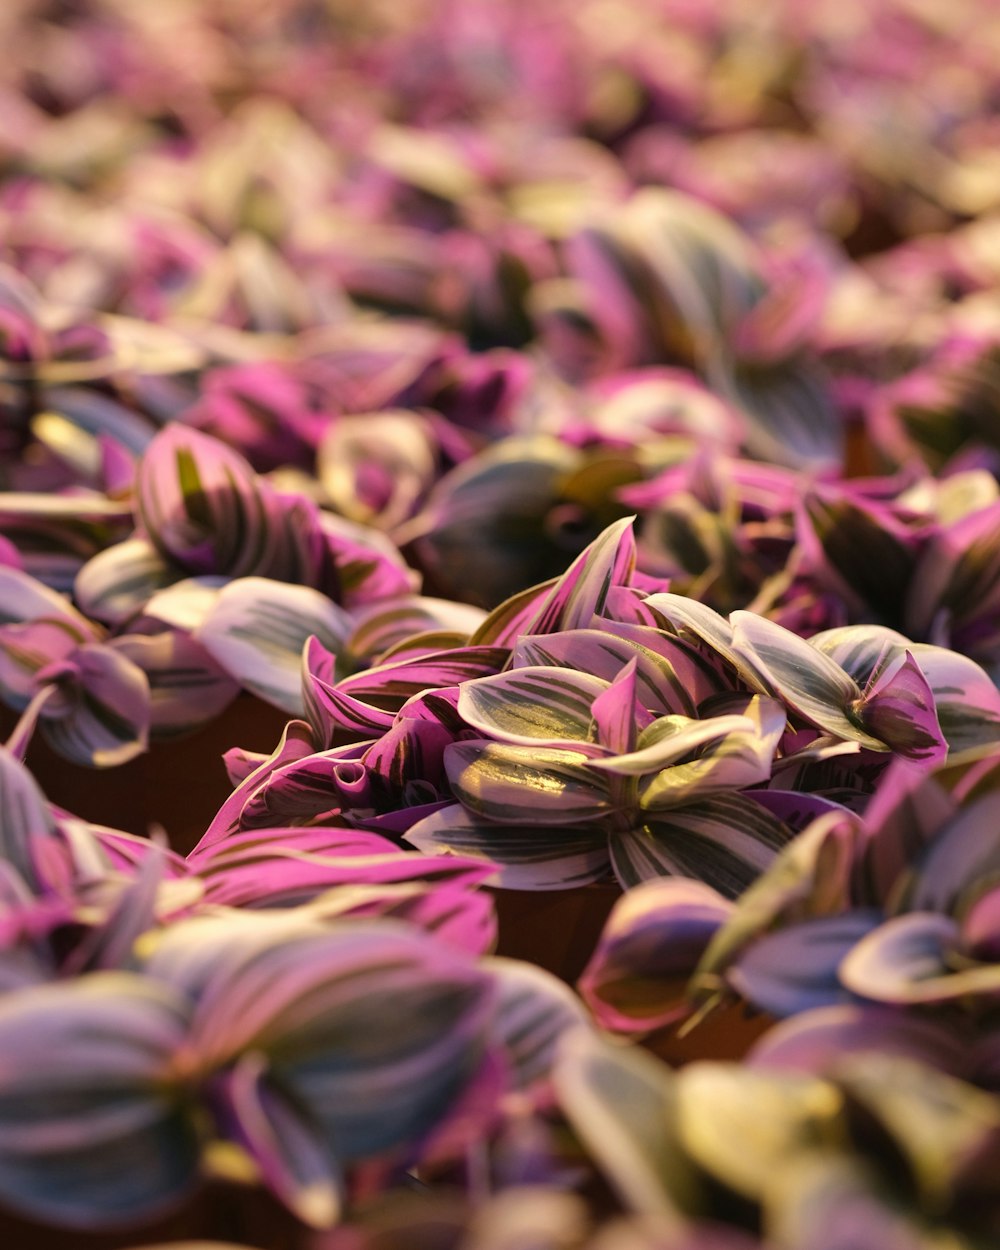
point(650, 944)
point(94, 1134)
point(795, 969)
point(187, 687)
point(535, 1011)
point(119, 581)
point(294, 1161)
point(909, 960)
point(742, 1126)
point(623, 1105)
point(256, 630)
point(818, 1039)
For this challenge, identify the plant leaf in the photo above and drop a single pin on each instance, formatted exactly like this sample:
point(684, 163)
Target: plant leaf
point(528, 857)
point(725, 841)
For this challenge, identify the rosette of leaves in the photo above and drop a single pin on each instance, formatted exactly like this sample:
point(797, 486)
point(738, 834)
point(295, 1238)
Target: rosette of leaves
point(90, 701)
point(284, 1012)
point(889, 915)
point(509, 518)
point(571, 774)
point(203, 512)
point(667, 280)
point(875, 1150)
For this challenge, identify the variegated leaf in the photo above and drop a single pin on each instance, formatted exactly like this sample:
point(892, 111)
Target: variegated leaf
point(812, 684)
point(108, 716)
point(294, 1162)
point(742, 1126)
point(523, 857)
point(118, 582)
point(742, 758)
point(94, 1133)
point(795, 969)
point(201, 506)
point(650, 945)
point(622, 1105)
point(518, 785)
point(535, 1011)
point(725, 841)
point(256, 630)
point(529, 705)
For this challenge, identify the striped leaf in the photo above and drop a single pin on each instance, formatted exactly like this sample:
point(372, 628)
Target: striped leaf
point(388, 686)
point(24, 816)
point(657, 932)
point(535, 1011)
point(809, 681)
point(200, 504)
point(815, 1040)
point(529, 705)
point(385, 626)
point(796, 969)
point(293, 1160)
point(916, 959)
point(104, 720)
point(666, 681)
point(92, 1133)
point(622, 1105)
point(581, 593)
point(118, 582)
point(725, 841)
point(296, 743)
point(256, 630)
point(744, 757)
point(518, 785)
point(965, 699)
point(668, 739)
point(525, 857)
point(187, 687)
point(24, 598)
point(323, 1004)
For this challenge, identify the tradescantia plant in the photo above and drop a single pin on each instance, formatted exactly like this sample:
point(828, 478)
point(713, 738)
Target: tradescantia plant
point(202, 511)
point(884, 1151)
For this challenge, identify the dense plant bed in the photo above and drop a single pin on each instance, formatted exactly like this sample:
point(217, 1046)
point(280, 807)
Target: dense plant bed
point(499, 650)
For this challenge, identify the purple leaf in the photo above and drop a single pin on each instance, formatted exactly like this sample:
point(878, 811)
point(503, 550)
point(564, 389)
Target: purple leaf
point(580, 594)
point(200, 504)
point(93, 1131)
point(187, 688)
point(534, 1012)
point(817, 1040)
point(795, 969)
point(909, 960)
point(295, 744)
point(898, 709)
point(650, 945)
point(618, 715)
point(295, 1163)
